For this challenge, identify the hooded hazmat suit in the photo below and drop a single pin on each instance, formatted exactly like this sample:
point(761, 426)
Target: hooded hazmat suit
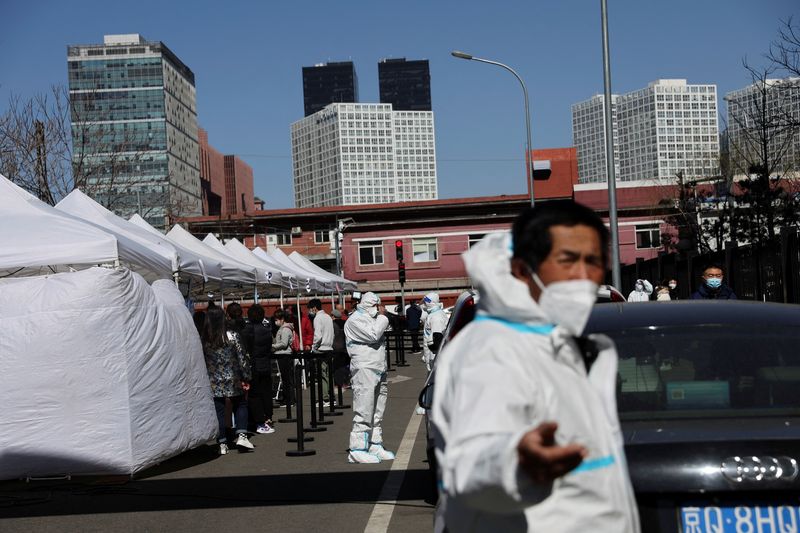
point(364, 331)
point(504, 374)
point(435, 322)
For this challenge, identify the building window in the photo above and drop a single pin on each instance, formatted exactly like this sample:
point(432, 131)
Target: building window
point(648, 236)
point(425, 250)
point(322, 235)
point(370, 253)
point(283, 238)
point(474, 238)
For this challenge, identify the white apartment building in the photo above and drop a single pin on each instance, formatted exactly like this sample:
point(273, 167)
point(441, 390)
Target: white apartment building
point(665, 128)
point(589, 137)
point(765, 112)
point(354, 153)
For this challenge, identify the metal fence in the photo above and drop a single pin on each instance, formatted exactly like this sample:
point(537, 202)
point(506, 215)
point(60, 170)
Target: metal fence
point(770, 272)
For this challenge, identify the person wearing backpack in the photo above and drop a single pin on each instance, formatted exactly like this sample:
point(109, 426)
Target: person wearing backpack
point(282, 348)
point(257, 340)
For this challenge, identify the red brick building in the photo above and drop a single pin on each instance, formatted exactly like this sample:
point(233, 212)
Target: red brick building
point(226, 181)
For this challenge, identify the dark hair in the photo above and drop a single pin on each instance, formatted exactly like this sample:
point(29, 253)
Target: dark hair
point(532, 240)
point(279, 315)
point(236, 322)
point(255, 314)
point(199, 318)
point(713, 264)
point(214, 328)
point(315, 303)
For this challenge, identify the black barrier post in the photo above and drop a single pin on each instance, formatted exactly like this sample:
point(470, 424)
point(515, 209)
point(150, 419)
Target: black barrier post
point(388, 357)
point(320, 396)
point(300, 439)
point(400, 345)
point(312, 389)
point(332, 404)
point(289, 418)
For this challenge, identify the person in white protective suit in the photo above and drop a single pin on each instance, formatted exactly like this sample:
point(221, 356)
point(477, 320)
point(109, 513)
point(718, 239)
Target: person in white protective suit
point(641, 292)
point(524, 417)
point(365, 333)
point(435, 324)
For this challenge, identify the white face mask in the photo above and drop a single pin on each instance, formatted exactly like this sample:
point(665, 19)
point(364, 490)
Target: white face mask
point(568, 303)
point(372, 312)
point(673, 285)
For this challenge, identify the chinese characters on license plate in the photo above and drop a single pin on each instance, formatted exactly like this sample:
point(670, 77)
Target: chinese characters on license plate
point(741, 519)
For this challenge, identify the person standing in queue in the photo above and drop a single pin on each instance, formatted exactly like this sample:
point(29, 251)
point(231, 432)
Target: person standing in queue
point(433, 332)
point(323, 341)
point(524, 416)
point(713, 286)
point(365, 332)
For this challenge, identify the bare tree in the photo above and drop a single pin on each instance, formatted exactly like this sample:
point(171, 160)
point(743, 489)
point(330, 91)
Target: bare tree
point(784, 52)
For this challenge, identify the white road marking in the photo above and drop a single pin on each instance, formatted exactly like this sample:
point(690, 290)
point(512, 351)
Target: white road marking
point(382, 512)
point(398, 379)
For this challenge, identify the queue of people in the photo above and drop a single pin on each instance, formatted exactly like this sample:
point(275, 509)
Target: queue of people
point(712, 287)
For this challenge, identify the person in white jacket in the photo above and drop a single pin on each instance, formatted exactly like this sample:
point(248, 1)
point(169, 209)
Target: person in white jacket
point(435, 324)
point(525, 424)
point(641, 292)
point(365, 332)
point(323, 340)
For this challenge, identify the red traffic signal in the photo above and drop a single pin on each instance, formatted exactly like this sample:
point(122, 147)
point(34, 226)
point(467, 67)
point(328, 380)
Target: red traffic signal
point(398, 249)
point(401, 272)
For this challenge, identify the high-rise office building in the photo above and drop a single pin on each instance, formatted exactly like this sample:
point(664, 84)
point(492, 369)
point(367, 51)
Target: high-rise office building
point(328, 83)
point(663, 129)
point(363, 154)
point(405, 84)
point(134, 120)
point(765, 112)
point(589, 137)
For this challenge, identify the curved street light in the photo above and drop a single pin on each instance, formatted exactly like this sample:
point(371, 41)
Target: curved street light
point(529, 155)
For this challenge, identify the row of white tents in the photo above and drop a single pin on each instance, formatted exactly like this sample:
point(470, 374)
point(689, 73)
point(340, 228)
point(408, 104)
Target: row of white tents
point(103, 371)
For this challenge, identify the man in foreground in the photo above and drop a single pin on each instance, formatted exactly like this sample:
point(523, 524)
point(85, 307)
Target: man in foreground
point(525, 421)
point(365, 331)
point(713, 286)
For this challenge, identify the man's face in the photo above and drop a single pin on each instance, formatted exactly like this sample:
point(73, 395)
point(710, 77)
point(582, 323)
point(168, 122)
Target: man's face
point(711, 273)
point(576, 254)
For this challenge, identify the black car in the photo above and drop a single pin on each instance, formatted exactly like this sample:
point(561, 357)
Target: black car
point(708, 395)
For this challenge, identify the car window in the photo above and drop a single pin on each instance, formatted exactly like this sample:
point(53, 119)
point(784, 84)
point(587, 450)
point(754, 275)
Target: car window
point(707, 371)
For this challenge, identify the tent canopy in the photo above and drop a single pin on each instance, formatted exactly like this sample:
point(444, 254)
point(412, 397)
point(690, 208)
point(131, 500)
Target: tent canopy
point(232, 270)
point(240, 251)
point(34, 235)
point(340, 282)
point(309, 281)
point(263, 273)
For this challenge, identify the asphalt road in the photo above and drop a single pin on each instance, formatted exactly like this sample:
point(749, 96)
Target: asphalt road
point(258, 491)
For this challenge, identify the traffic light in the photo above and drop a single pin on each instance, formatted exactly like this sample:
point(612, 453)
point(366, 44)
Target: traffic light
point(398, 250)
point(401, 272)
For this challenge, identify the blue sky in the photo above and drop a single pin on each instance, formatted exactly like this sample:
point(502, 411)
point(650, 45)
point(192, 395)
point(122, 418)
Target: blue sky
point(247, 59)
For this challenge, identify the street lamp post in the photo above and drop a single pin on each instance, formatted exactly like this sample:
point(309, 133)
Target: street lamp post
point(529, 154)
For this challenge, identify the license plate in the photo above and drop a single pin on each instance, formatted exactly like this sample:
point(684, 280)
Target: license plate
point(741, 519)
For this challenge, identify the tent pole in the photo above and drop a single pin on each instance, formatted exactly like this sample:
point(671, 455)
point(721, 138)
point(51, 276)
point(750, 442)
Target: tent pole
point(300, 332)
point(281, 297)
point(222, 292)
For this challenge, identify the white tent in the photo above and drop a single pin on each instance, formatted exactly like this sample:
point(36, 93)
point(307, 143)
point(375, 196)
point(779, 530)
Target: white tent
point(35, 237)
point(232, 270)
point(240, 251)
point(268, 275)
point(151, 252)
point(102, 374)
point(339, 282)
point(308, 280)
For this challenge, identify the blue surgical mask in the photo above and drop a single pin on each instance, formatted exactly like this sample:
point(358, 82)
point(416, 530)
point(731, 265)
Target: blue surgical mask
point(714, 283)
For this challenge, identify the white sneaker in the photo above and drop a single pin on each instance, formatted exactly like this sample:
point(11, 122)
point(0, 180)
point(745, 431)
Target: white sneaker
point(328, 404)
point(419, 410)
point(223, 448)
point(360, 456)
point(378, 451)
point(243, 442)
point(265, 428)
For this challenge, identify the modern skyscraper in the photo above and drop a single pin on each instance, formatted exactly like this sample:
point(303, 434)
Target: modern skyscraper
point(665, 128)
point(134, 122)
point(405, 84)
point(328, 83)
point(363, 154)
point(589, 137)
point(765, 113)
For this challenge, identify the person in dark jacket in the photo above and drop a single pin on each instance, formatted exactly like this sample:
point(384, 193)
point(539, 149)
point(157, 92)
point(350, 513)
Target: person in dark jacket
point(257, 341)
point(713, 286)
point(413, 320)
point(341, 361)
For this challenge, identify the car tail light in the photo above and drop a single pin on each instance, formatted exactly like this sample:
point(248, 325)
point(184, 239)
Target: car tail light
point(464, 316)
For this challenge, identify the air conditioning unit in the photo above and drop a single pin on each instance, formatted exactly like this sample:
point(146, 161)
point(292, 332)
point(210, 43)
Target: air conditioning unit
point(297, 230)
point(272, 241)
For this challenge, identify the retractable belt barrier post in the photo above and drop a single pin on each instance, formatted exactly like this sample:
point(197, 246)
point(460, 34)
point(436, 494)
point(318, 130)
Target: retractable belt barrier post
point(308, 360)
point(388, 357)
point(331, 404)
point(320, 396)
point(301, 439)
point(288, 397)
point(399, 349)
point(340, 395)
